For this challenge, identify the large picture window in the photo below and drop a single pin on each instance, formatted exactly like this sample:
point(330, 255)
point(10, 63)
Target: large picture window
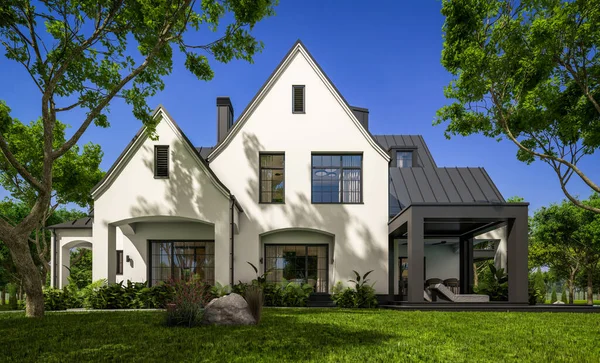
point(272, 178)
point(298, 263)
point(182, 260)
point(336, 178)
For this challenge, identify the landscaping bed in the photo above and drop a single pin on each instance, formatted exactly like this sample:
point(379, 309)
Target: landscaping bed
point(304, 335)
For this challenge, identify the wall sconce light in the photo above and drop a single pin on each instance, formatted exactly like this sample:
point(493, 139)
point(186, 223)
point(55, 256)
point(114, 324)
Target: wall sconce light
point(128, 259)
point(261, 260)
point(332, 260)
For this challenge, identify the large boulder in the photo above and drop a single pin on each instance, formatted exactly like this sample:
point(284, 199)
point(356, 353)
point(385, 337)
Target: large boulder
point(231, 309)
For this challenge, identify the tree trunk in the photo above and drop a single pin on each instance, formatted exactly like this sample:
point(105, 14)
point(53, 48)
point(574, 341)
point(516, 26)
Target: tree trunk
point(475, 276)
point(590, 287)
point(29, 274)
point(571, 284)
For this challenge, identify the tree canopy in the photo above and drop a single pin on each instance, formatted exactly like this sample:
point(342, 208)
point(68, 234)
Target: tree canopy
point(82, 54)
point(527, 71)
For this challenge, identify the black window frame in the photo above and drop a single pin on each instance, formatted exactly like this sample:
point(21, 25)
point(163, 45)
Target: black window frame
point(120, 265)
point(156, 149)
point(341, 167)
point(294, 88)
point(412, 150)
point(172, 241)
point(306, 245)
point(260, 179)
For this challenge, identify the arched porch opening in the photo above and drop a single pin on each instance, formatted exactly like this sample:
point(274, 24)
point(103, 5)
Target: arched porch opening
point(300, 255)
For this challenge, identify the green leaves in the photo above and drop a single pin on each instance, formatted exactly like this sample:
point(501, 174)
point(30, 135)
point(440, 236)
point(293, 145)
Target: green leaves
point(529, 72)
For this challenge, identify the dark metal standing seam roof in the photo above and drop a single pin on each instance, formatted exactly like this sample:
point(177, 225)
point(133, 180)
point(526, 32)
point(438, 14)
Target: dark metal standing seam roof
point(426, 183)
point(81, 223)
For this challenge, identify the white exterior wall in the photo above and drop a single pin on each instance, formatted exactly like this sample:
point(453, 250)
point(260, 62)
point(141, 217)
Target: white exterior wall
point(135, 196)
point(360, 231)
point(65, 240)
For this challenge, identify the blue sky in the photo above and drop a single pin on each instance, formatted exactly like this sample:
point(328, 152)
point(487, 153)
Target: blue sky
point(383, 57)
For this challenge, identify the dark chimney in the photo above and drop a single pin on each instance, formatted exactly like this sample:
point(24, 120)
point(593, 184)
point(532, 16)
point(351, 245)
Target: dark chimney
point(362, 114)
point(224, 117)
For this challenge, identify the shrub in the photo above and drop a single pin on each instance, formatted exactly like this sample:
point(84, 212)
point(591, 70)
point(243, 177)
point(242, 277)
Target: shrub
point(285, 293)
point(343, 297)
point(155, 297)
point(255, 299)
point(495, 284)
point(219, 290)
point(554, 298)
point(55, 299)
point(189, 298)
point(563, 297)
point(362, 296)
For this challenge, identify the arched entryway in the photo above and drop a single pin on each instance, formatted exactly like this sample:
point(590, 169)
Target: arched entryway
point(299, 255)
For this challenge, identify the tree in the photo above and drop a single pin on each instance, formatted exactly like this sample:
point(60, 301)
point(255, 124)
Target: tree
point(540, 286)
point(567, 240)
point(563, 296)
point(80, 55)
point(39, 240)
point(553, 298)
point(529, 72)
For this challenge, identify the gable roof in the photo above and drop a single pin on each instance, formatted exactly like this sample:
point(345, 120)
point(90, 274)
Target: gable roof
point(298, 47)
point(136, 142)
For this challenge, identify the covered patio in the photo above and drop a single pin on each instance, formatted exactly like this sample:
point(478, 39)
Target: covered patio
point(420, 222)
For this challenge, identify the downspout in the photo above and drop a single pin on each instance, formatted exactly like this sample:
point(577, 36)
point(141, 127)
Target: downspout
point(231, 235)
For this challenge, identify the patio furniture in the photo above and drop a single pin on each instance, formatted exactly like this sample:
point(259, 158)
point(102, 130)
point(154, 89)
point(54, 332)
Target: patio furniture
point(432, 281)
point(453, 284)
point(439, 290)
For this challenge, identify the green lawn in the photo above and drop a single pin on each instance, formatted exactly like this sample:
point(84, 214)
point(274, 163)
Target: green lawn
point(580, 302)
point(305, 335)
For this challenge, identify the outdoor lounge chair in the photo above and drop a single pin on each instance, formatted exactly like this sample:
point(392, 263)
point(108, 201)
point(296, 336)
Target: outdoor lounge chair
point(443, 292)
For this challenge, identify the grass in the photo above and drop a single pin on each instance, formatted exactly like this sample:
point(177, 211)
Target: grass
point(305, 335)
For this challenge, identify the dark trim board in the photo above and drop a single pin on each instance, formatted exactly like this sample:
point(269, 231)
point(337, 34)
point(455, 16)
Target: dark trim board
point(490, 307)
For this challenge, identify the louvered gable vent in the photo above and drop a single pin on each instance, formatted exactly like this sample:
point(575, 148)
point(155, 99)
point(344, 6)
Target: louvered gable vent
point(298, 99)
point(161, 161)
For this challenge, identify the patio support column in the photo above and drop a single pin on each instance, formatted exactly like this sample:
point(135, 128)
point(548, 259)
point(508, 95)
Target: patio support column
point(517, 250)
point(391, 265)
point(416, 252)
point(466, 265)
point(53, 262)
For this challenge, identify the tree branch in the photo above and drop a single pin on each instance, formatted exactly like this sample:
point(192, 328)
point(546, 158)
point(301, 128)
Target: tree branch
point(15, 164)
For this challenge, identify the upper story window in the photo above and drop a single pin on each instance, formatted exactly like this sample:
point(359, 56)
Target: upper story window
point(336, 178)
point(298, 99)
point(272, 178)
point(404, 159)
point(161, 161)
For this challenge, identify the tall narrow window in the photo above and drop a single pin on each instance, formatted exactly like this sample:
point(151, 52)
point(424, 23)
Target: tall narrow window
point(120, 262)
point(272, 178)
point(336, 178)
point(404, 159)
point(298, 99)
point(161, 161)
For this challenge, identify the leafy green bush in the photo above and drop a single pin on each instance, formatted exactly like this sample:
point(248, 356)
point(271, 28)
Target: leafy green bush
point(286, 293)
point(343, 297)
point(494, 284)
point(116, 296)
point(554, 298)
point(362, 296)
point(155, 297)
point(55, 299)
point(563, 297)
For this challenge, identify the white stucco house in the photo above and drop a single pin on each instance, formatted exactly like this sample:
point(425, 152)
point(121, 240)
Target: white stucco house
point(296, 184)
